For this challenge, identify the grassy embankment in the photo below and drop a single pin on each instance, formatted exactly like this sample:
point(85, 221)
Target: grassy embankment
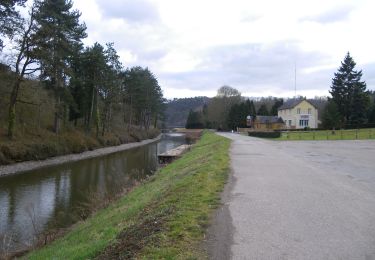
point(165, 217)
point(354, 134)
point(39, 144)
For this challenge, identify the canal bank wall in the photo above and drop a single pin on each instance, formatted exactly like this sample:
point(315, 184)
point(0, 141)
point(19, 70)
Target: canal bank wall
point(165, 217)
point(17, 168)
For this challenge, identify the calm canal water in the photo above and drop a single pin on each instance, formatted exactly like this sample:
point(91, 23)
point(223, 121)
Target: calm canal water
point(58, 196)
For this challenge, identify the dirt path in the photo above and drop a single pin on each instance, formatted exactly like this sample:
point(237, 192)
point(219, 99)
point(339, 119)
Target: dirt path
point(297, 200)
point(32, 165)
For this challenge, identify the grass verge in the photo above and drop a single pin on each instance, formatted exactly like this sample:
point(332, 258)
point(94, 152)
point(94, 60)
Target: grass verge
point(163, 218)
point(354, 134)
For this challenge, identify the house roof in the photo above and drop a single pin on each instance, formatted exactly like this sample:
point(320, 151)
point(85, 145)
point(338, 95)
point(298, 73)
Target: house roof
point(291, 103)
point(269, 119)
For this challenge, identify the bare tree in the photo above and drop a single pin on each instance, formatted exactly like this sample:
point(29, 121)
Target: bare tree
point(24, 65)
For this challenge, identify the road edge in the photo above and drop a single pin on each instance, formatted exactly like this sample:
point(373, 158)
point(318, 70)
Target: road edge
point(219, 235)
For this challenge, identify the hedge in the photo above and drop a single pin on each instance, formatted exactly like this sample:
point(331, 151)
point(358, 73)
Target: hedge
point(265, 134)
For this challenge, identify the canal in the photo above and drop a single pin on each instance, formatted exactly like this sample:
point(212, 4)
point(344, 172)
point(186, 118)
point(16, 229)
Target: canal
point(57, 197)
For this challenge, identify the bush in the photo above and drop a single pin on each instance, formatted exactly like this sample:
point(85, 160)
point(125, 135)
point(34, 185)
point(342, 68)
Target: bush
point(265, 134)
point(44, 144)
point(3, 160)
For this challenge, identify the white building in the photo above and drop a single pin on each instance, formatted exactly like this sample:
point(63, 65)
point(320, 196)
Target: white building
point(299, 113)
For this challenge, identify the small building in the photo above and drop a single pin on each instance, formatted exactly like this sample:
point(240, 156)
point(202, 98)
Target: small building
point(266, 123)
point(298, 114)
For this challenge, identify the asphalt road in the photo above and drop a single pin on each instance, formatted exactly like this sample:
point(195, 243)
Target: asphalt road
point(297, 200)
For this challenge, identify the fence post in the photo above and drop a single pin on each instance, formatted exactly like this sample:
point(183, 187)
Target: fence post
point(313, 134)
point(356, 134)
point(342, 137)
point(370, 133)
point(299, 135)
point(327, 134)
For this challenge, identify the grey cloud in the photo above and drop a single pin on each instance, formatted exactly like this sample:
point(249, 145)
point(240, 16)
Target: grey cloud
point(250, 18)
point(255, 67)
point(334, 15)
point(139, 11)
point(152, 55)
point(368, 71)
point(147, 43)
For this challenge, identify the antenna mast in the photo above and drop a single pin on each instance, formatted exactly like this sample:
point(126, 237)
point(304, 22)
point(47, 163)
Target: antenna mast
point(295, 80)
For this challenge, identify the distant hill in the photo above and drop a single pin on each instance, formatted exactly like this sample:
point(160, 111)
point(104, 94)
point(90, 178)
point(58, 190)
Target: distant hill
point(178, 109)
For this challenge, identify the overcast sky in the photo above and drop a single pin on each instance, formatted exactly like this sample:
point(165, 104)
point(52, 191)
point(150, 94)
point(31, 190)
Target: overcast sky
point(196, 46)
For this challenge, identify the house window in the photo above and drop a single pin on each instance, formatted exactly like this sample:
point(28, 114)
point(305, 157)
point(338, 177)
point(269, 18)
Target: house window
point(309, 111)
point(290, 122)
point(303, 123)
point(298, 111)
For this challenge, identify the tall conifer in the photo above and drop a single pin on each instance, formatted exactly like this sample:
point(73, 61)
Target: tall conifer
point(349, 92)
point(59, 33)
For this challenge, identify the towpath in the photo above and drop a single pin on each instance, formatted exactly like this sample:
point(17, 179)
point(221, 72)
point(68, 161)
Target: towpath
point(297, 200)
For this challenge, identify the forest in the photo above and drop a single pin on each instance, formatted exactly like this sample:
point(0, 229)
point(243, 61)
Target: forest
point(58, 96)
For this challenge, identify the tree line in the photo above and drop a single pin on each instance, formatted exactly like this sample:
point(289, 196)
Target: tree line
point(90, 86)
point(229, 110)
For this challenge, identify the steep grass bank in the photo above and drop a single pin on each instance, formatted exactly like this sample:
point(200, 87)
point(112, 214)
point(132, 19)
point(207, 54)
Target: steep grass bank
point(165, 217)
point(39, 144)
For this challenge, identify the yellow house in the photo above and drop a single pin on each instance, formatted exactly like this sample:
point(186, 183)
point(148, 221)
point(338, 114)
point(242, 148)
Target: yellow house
point(299, 113)
point(268, 123)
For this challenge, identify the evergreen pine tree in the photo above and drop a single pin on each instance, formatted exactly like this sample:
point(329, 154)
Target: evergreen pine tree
point(59, 33)
point(9, 17)
point(349, 92)
point(278, 103)
point(263, 111)
point(371, 117)
point(331, 116)
point(253, 111)
point(359, 105)
point(194, 120)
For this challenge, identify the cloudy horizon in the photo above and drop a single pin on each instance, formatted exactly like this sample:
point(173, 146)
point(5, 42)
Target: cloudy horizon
point(194, 47)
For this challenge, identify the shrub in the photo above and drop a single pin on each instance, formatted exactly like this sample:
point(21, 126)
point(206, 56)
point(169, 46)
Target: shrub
point(3, 160)
point(265, 134)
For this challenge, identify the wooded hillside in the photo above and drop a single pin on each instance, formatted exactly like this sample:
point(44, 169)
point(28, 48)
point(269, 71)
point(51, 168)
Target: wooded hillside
point(58, 96)
point(177, 110)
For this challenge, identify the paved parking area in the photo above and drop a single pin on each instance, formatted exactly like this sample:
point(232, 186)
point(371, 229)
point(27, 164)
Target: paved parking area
point(297, 200)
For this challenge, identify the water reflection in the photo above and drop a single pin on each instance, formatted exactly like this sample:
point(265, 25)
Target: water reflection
point(170, 141)
point(52, 197)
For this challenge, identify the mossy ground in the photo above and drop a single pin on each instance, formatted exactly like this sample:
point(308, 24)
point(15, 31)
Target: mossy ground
point(163, 218)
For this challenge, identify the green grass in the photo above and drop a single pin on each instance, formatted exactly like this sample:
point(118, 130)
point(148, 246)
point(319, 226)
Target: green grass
point(163, 218)
point(354, 134)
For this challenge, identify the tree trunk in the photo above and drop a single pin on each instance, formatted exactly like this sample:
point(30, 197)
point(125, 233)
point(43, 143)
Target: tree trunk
point(156, 120)
point(11, 119)
point(104, 124)
point(97, 117)
point(130, 113)
point(91, 110)
point(57, 116)
point(12, 108)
